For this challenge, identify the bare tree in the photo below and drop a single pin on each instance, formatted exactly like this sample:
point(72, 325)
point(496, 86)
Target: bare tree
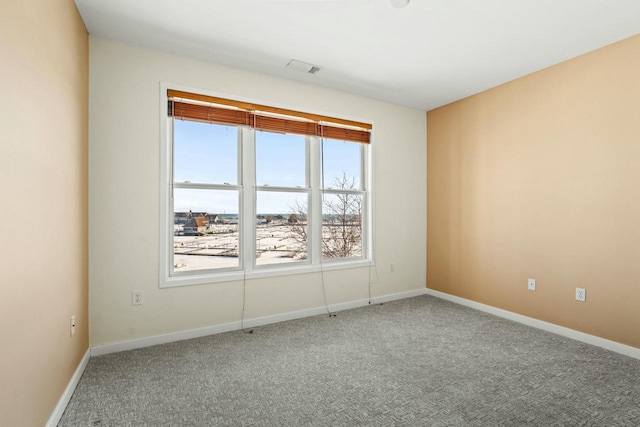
point(299, 227)
point(341, 221)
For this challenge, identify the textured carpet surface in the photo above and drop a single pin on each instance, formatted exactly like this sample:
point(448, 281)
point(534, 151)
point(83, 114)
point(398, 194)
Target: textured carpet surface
point(415, 362)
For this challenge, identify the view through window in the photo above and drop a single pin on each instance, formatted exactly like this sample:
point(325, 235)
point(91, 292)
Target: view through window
point(206, 197)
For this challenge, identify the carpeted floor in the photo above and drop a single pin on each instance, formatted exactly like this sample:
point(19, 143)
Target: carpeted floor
point(415, 362)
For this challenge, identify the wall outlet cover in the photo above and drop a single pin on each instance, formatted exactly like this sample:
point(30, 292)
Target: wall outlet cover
point(136, 298)
point(581, 294)
point(531, 284)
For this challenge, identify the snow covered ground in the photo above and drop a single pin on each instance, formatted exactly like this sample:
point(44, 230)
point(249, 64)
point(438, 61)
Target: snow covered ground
point(274, 245)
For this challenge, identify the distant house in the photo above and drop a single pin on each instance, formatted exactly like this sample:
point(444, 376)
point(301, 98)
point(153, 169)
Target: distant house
point(181, 217)
point(196, 225)
point(184, 217)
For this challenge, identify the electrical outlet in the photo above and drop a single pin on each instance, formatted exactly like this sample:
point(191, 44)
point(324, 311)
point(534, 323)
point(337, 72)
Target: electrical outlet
point(581, 294)
point(73, 325)
point(136, 298)
point(531, 284)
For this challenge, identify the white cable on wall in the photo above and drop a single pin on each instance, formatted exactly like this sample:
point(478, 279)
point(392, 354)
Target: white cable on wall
point(324, 289)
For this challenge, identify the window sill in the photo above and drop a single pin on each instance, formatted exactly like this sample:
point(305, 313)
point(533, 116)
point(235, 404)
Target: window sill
point(199, 279)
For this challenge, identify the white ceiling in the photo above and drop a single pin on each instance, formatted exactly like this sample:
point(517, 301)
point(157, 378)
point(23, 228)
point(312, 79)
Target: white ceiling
point(426, 55)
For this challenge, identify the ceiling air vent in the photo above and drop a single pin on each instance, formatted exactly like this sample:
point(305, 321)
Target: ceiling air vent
point(303, 67)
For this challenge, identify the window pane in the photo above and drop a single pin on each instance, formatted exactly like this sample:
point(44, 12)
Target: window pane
point(342, 226)
point(280, 159)
point(341, 165)
point(205, 224)
point(205, 153)
point(281, 227)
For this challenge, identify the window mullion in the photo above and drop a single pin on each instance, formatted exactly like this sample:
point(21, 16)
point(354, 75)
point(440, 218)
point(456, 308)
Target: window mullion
point(315, 202)
point(168, 206)
point(248, 208)
point(366, 185)
point(198, 186)
point(282, 189)
point(363, 168)
point(335, 191)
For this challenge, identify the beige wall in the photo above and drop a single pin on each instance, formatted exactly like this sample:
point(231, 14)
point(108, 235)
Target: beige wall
point(539, 178)
point(43, 219)
point(124, 167)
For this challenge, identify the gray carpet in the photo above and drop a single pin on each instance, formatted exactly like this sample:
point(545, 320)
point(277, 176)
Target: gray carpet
point(415, 362)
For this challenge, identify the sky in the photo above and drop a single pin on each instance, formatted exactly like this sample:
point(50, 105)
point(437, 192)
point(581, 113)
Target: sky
point(206, 153)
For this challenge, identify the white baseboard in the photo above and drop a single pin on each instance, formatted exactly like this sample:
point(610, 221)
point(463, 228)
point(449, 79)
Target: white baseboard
point(56, 415)
point(99, 350)
point(316, 311)
point(248, 323)
point(549, 327)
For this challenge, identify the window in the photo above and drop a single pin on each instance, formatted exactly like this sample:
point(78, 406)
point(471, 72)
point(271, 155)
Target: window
point(252, 190)
point(206, 196)
point(342, 199)
point(282, 194)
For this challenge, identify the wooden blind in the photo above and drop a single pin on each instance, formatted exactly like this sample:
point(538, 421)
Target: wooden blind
point(209, 114)
point(230, 112)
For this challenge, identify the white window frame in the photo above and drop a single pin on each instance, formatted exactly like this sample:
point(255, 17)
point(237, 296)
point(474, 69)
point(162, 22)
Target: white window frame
point(247, 188)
